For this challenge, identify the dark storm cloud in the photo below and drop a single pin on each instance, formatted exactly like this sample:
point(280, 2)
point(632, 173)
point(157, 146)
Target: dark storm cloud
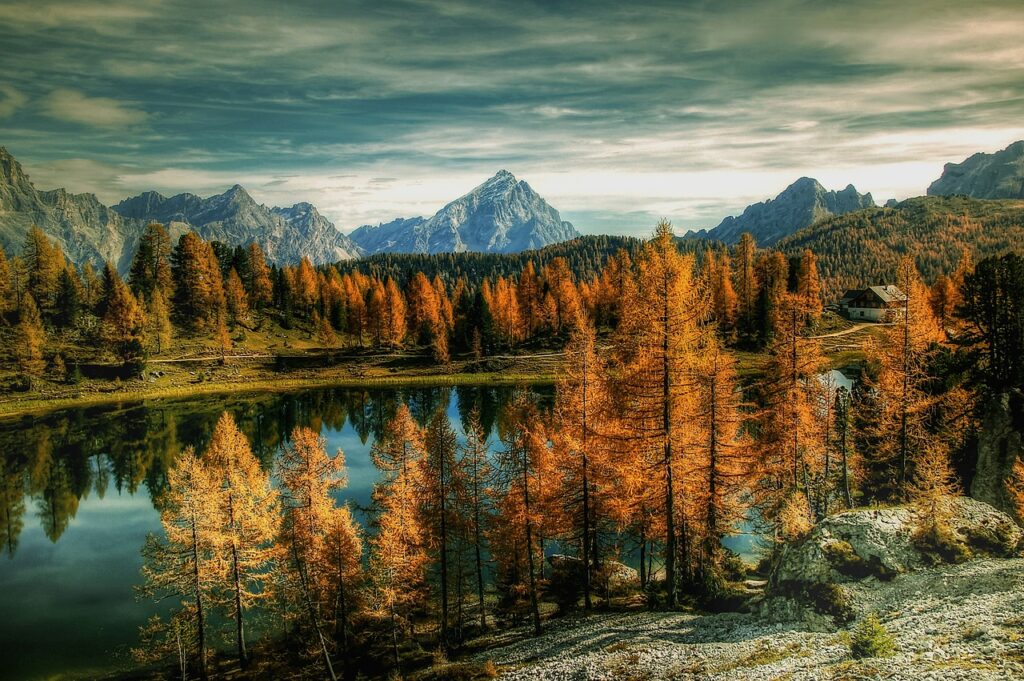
point(616, 112)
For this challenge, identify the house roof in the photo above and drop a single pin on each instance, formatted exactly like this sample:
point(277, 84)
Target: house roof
point(888, 293)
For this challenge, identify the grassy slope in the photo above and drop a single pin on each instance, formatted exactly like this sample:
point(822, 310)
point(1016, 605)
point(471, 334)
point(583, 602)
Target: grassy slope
point(192, 367)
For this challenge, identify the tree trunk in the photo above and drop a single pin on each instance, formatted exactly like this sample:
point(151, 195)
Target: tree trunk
point(534, 605)
point(198, 585)
point(666, 422)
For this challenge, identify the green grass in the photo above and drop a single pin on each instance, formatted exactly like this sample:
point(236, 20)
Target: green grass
point(41, 404)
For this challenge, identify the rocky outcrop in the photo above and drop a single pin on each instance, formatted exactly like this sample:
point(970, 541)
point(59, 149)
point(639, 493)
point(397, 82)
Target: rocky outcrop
point(1000, 444)
point(809, 577)
point(985, 176)
point(503, 215)
point(614, 576)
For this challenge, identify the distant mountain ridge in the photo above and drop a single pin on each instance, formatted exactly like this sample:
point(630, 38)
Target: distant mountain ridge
point(285, 234)
point(984, 176)
point(87, 230)
point(502, 215)
point(798, 206)
point(864, 247)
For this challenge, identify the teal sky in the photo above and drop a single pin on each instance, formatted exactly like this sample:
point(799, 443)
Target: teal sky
point(617, 113)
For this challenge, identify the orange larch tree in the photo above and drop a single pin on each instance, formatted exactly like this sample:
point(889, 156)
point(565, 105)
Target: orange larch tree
point(655, 342)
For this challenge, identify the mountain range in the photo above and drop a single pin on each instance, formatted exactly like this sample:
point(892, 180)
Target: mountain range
point(89, 231)
point(502, 215)
point(985, 176)
point(285, 234)
point(800, 205)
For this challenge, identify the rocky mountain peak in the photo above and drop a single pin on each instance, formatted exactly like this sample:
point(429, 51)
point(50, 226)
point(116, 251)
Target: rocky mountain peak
point(984, 176)
point(11, 172)
point(502, 215)
point(799, 205)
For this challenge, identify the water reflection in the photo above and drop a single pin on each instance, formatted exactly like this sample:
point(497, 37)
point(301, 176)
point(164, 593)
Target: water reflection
point(88, 476)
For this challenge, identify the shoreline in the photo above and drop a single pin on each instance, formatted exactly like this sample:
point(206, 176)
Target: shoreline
point(40, 405)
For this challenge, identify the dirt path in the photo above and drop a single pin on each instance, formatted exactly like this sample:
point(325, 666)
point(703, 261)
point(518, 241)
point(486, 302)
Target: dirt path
point(853, 329)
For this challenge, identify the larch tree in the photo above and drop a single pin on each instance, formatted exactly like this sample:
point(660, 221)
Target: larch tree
point(903, 358)
point(236, 298)
point(6, 285)
point(808, 285)
point(183, 563)
point(746, 286)
point(520, 467)
point(477, 472)
point(395, 311)
point(343, 548)
point(259, 285)
point(655, 342)
point(159, 329)
point(246, 518)
point(29, 338)
point(398, 551)
point(723, 292)
point(790, 425)
point(308, 477)
point(723, 458)
point(199, 284)
point(581, 406)
point(441, 483)
point(124, 323)
point(43, 261)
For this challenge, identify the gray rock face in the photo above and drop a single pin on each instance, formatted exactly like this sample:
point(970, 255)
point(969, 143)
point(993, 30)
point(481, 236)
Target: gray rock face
point(503, 215)
point(848, 547)
point(1000, 444)
point(800, 205)
point(89, 231)
point(814, 579)
point(85, 228)
point(985, 176)
point(285, 234)
point(616, 576)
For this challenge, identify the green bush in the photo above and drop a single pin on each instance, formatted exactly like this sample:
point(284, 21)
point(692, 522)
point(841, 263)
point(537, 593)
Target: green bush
point(942, 544)
point(830, 599)
point(871, 639)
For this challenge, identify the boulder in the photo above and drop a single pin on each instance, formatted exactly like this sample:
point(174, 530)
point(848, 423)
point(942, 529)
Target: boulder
point(809, 577)
point(617, 576)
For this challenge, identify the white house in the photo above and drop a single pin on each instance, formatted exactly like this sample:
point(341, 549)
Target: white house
point(873, 304)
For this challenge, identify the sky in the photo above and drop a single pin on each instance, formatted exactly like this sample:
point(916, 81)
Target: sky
point(618, 113)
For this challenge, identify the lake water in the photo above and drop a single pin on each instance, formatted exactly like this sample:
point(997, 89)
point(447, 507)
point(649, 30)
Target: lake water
point(76, 492)
point(75, 504)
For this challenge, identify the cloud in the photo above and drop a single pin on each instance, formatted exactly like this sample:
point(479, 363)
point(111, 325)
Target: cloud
point(614, 112)
point(10, 100)
point(74, 107)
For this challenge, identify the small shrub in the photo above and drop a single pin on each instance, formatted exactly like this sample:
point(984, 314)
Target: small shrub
point(842, 557)
point(997, 540)
point(21, 383)
point(73, 375)
point(942, 544)
point(871, 639)
point(490, 670)
point(830, 599)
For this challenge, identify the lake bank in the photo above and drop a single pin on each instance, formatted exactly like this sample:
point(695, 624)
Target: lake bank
point(188, 377)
